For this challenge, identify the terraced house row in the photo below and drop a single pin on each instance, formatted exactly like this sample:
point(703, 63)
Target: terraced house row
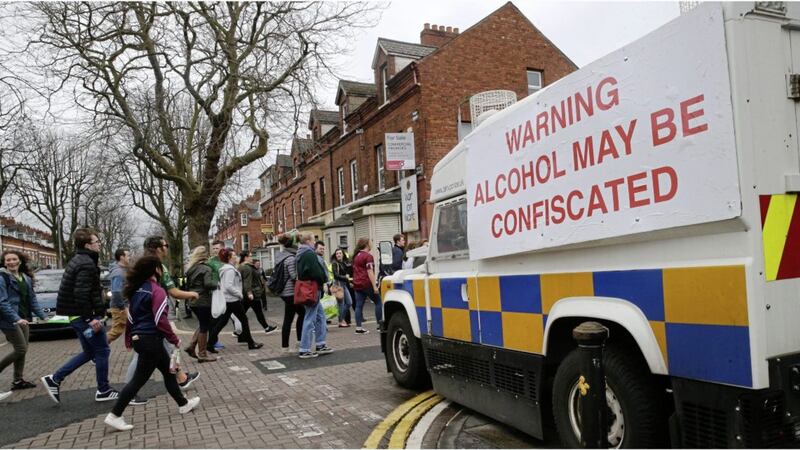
point(335, 182)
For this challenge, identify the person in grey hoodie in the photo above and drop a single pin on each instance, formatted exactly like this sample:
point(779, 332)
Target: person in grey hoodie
point(119, 305)
point(290, 310)
point(230, 281)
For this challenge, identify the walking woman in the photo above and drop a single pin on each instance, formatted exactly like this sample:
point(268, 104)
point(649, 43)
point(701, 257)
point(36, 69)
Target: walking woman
point(17, 306)
point(200, 278)
point(342, 279)
point(230, 281)
point(147, 328)
point(311, 267)
point(286, 263)
point(365, 282)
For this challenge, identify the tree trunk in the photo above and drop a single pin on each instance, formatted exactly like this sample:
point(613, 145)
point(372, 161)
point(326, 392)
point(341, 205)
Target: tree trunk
point(199, 218)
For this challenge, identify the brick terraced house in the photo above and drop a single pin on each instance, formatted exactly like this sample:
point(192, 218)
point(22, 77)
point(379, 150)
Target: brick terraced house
point(36, 244)
point(335, 181)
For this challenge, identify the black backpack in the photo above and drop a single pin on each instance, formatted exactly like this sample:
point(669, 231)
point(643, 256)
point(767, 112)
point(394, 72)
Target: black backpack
point(280, 276)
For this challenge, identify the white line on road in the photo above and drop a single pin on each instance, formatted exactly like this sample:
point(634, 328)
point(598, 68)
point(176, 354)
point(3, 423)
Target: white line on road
point(415, 440)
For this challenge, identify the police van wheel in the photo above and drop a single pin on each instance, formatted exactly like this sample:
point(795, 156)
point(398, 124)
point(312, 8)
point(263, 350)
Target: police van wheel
point(404, 352)
point(634, 410)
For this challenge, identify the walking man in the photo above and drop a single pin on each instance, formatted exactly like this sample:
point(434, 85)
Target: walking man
point(80, 298)
point(119, 306)
point(398, 252)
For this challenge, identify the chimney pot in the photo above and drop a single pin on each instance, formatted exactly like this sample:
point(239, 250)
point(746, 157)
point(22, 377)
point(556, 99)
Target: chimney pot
point(449, 29)
point(455, 30)
point(427, 26)
point(441, 27)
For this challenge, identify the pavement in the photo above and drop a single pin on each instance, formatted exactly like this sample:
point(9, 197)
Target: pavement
point(261, 398)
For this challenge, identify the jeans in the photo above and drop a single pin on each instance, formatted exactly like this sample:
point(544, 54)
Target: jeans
point(18, 338)
point(94, 348)
point(361, 297)
point(314, 327)
point(289, 311)
point(153, 356)
point(203, 314)
point(345, 303)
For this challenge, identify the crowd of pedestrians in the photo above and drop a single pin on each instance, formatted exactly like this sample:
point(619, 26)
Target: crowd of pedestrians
point(139, 307)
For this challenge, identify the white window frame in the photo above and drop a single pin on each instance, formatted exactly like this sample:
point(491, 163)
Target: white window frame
point(340, 177)
point(322, 195)
point(354, 179)
point(243, 219)
point(285, 225)
point(532, 87)
point(302, 208)
point(294, 213)
point(380, 159)
point(245, 241)
point(384, 81)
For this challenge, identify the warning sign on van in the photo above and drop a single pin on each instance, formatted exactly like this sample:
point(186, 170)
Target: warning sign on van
point(639, 140)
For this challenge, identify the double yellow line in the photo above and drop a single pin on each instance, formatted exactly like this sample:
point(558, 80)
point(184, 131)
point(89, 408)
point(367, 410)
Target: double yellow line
point(403, 419)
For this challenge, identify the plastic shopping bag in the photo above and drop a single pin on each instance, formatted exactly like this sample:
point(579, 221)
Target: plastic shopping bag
point(330, 306)
point(217, 303)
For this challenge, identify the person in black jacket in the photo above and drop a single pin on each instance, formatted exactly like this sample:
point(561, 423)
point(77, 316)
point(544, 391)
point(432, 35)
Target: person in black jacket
point(80, 298)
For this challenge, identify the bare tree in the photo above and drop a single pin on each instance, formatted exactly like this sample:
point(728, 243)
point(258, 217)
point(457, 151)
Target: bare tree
point(238, 69)
point(54, 189)
point(13, 131)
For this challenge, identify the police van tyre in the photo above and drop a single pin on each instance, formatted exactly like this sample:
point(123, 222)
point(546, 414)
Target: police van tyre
point(634, 404)
point(404, 352)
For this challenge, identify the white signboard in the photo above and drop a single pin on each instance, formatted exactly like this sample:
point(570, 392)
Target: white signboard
point(408, 201)
point(400, 151)
point(639, 140)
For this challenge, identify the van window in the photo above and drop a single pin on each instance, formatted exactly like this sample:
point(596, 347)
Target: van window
point(451, 231)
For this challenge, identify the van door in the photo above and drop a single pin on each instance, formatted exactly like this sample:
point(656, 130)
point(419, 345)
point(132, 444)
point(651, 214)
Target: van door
point(451, 281)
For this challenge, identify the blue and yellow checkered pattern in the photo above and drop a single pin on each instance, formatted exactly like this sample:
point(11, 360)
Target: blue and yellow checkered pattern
point(698, 315)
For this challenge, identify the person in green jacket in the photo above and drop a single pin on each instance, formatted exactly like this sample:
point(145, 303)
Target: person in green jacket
point(309, 267)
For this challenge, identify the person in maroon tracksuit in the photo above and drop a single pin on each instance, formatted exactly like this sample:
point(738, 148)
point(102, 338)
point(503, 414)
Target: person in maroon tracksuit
point(146, 329)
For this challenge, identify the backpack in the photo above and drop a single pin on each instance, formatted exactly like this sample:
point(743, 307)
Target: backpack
point(279, 278)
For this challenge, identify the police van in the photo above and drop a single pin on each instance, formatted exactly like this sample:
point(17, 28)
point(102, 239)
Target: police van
point(654, 191)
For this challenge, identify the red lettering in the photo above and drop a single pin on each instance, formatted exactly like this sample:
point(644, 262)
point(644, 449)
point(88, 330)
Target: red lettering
point(512, 139)
point(658, 197)
point(524, 217)
point(596, 201)
point(633, 190)
point(497, 188)
point(541, 124)
point(582, 160)
point(479, 196)
point(539, 162)
point(489, 197)
point(496, 232)
point(607, 147)
point(612, 98)
point(512, 230)
point(537, 213)
point(557, 173)
point(557, 205)
point(626, 135)
point(527, 175)
point(614, 185)
point(686, 116)
point(572, 215)
point(528, 134)
point(583, 103)
point(514, 181)
point(656, 126)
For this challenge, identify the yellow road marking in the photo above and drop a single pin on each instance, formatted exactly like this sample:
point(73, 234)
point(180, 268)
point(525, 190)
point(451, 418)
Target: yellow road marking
point(375, 437)
point(403, 429)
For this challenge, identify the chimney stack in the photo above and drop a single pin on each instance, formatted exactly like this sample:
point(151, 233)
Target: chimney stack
point(436, 35)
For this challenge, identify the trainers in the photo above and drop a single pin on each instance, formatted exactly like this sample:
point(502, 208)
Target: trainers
point(192, 404)
point(190, 378)
point(139, 401)
point(22, 384)
point(361, 331)
point(270, 329)
point(5, 395)
point(107, 396)
point(53, 389)
point(324, 350)
point(219, 346)
point(306, 355)
point(117, 423)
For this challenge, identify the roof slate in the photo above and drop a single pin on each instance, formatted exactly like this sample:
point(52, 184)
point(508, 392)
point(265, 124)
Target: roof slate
point(326, 116)
point(405, 48)
point(357, 88)
point(283, 160)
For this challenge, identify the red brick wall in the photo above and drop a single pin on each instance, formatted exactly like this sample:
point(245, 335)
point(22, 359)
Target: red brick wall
point(493, 54)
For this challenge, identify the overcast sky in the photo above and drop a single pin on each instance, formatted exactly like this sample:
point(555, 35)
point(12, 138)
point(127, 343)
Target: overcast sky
point(584, 31)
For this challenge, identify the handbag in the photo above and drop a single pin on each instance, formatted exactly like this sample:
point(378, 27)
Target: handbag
point(337, 292)
point(306, 292)
point(218, 305)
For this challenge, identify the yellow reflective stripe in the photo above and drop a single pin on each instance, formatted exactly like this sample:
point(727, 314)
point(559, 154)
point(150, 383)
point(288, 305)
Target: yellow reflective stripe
point(776, 229)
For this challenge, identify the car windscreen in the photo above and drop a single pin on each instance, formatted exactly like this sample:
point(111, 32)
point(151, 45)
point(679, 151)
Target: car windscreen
point(47, 282)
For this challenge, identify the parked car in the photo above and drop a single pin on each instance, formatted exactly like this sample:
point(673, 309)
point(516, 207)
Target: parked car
point(46, 287)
